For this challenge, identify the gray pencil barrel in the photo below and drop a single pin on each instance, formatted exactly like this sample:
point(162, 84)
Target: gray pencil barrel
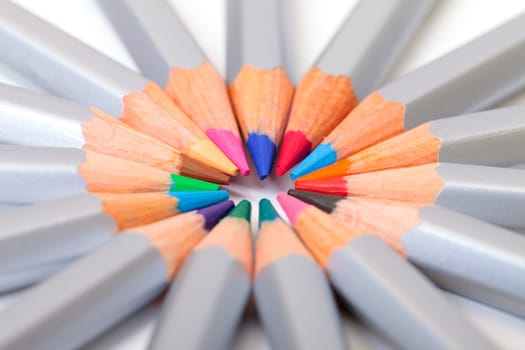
point(495, 195)
point(55, 232)
point(61, 64)
point(204, 304)
point(254, 35)
point(495, 137)
point(475, 76)
point(371, 39)
point(395, 298)
point(470, 257)
point(296, 306)
point(33, 118)
point(154, 35)
point(85, 298)
point(20, 279)
point(31, 174)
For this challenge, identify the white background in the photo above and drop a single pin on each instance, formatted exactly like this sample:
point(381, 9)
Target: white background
point(451, 23)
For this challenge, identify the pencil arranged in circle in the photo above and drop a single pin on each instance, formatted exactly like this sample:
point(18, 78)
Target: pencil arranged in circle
point(459, 253)
point(63, 229)
point(211, 288)
point(166, 52)
point(379, 285)
point(34, 174)
point(473, 77)
point(354, 62)
point(260, 89)
point(105, 286)
point(492, 194)
point(72, 69)
point(495, 137)
point(34, 119)
point(293, 296)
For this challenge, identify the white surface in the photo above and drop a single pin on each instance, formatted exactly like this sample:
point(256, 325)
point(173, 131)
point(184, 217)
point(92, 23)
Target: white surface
point(452, 23)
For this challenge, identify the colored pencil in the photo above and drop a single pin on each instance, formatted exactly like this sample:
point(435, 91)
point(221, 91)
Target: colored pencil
point(386, 291)
point(94, 79)
point(492, 194)
point(62, 229)
point(34, 174)
point(35, 119)
point(495, 137)
point(471, 78)
point(355, 61)
point(165, 51)
point(459, 253)
point(210, 290)
point(293, 296)
point(100, 289)
point(260, 89)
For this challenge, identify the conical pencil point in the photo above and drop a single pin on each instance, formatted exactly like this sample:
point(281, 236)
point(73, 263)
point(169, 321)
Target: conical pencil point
point(214, 213)
point(232, 147)
point(291, 206)
point(183, 183)
point(242, 210)
point(294, 148)
point(263, 151)
point(337, 169)
point(323, 155)
point(266, 211)
point(334, 186)
point(322, 201)
point(191, 200)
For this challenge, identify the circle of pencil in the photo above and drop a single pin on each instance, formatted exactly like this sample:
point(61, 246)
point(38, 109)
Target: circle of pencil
point(495, 195)
point(471, 78)
point(211, 289)
point(461, 254)
point(105, 286)
point(260, 89)
point(357, 58)
point(293, 296)
point(385, 290)
point(495, 137)
point(95, 79)
point(147, 28)
point(63, 229)
point(35, 119)
point(33, 174)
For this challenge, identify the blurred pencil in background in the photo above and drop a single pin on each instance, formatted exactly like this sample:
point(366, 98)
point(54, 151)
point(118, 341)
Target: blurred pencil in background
point(105, 286)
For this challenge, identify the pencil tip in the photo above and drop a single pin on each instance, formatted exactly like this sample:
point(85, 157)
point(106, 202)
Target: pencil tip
point(183, 183)
point(191, 200)
point(266, 211)
point(338, 169)
point(231, 146)
point(332, 185)
point(294, 148)
point(324, 202)
point(262, 150)
point(322, 156)
point(214, 213)
point(291, 206)
point(242, 210)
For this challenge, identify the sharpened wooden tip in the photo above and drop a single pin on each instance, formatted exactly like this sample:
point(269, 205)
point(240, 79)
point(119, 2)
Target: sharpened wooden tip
point(175, 237)
point(320, 232)
point(137, 209)
point(233, 234)
point(321, 102)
